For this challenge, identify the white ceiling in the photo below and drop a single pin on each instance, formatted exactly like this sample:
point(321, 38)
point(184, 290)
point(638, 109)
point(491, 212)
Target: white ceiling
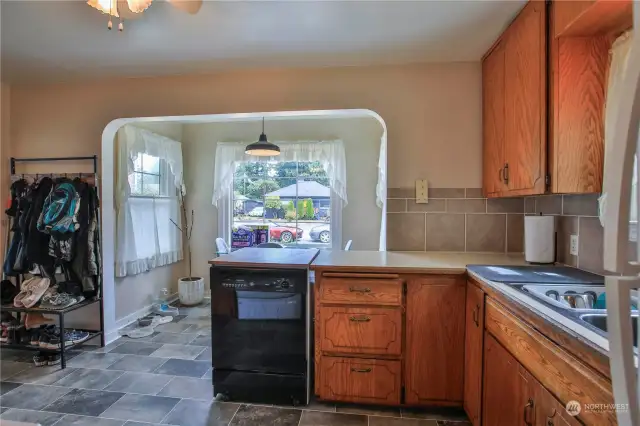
point(63, 40)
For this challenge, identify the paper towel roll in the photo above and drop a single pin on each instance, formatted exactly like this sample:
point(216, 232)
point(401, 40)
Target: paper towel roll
point(539, 239)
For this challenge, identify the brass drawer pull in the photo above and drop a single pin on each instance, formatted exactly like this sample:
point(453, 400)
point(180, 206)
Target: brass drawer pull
point(359, 290)
point(360, 319)
point(360, 370)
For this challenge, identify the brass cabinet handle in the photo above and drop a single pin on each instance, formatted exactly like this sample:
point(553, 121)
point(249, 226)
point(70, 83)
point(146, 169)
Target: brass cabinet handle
point(359, 290)
point(506, 173)
point(550, 418)
point(360, 319)
point(361, 370)
point(475, 315)
point(500, 174)
point(528, 408)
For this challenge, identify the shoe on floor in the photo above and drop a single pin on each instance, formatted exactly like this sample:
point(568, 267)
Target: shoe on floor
point(34, 337)
point(76, 336)
point(53, 359)
point(4, 334)
point(40, 359)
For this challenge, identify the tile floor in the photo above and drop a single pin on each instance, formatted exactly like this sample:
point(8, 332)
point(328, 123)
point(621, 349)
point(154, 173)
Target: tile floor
point(163, 379)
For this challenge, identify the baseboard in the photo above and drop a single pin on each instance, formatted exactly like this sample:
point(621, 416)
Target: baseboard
point(113, 335)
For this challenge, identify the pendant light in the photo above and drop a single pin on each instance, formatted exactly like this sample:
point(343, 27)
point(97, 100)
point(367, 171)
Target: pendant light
point(262, 148)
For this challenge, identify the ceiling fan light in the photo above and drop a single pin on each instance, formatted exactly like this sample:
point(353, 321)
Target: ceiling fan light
point(138, 6)
point(110, 7)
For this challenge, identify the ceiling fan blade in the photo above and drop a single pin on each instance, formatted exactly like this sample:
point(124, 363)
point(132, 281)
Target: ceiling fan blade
point(125, 12)
point(189, 6)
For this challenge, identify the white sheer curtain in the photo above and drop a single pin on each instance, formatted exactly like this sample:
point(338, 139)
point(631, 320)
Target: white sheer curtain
point(145, 236)
point(330, 154)
point(619, 56)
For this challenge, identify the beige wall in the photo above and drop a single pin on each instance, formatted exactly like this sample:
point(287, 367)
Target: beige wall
point(139, 291)
point(432, 111)
point(361, 217)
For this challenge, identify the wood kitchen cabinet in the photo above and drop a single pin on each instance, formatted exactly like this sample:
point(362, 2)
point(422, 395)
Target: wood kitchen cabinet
point(435, 326)
point(549, 411)
point(515, 107)
point(508, 389)
point(473, 351)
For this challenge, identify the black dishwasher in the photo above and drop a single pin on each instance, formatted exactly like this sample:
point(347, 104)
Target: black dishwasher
point(259, 341)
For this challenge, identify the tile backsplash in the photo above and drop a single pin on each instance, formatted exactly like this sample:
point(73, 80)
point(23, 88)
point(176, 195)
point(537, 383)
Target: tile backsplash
point(461, 219)
point(454, 219)
point(575, 215)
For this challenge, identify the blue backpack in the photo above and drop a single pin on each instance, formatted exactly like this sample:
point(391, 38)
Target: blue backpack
point(60, 210)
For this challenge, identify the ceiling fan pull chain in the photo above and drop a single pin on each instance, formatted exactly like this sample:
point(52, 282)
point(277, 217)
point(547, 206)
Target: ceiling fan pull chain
point(121, 25)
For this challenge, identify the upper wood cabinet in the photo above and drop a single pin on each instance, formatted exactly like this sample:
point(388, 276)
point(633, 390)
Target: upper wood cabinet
point(514, 107)
point(473, 347)
point(435, 340)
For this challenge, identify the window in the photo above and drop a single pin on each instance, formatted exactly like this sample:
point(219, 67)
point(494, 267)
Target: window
point(287, 202)
point(147, 179)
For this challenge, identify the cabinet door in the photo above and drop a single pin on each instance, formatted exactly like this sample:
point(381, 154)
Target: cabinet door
point(474, 333)
point(501, 386)
point(549, 411)
point(435, 340)
point(493, 120)
point(525, 101)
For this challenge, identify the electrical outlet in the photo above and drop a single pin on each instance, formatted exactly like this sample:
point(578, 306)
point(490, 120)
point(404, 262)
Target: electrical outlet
point(422, 191)
point(573, 249)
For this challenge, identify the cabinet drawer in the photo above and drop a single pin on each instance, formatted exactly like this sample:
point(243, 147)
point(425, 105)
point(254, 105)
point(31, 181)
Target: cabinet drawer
point(369, 291)
point(360, 380)
point(361, 330)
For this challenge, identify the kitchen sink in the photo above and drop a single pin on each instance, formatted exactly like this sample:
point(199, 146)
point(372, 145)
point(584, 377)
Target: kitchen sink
point(599, 321)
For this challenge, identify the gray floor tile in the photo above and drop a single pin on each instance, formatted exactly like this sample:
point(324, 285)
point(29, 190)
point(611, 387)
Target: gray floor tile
point(183, 367)
point(205, 355)
point(175, 338)
point(197, 320)
point(316, 405)
point(254, 415)
point(84, 378)
point(130, 423)
point(75, 420)
point(94, 360)
point(145, 383)
point(4, 409)
point(147, 339)
point(178, 318)
point(189, 412)
point(187, 387)
point(11, 368)
point(8, 387)
point(319, 418)
point(173, 327)
point(144, 408)
point(201, 329)
point(368, 410)
point(142, 364)
point(43, 418)
point(202, 340)
point(136, 348)
point(434, 414)
point(178, 351)
point(105, 349)
point(208, 374)
point(42, 375)
point(32, 397)
point(84, 402)
point(389, 421)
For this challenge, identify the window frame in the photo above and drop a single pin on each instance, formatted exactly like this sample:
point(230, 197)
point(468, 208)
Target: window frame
point(335, 224)
point(163, 169)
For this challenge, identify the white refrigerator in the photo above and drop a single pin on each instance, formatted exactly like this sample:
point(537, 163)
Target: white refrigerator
point(622, 264)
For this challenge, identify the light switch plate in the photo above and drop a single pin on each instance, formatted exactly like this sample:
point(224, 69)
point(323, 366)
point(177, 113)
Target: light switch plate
point(422, 191)
point(573, 248)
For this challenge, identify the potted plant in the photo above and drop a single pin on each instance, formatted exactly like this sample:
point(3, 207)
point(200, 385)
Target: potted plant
point(190, 288)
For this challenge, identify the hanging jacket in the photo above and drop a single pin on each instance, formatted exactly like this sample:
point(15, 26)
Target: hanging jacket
point(38, 242)
point(60, 210)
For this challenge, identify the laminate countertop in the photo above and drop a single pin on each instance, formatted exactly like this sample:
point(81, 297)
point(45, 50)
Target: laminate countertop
point(409, 262)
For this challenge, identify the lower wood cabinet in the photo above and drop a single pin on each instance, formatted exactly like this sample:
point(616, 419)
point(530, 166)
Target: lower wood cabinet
point(473, 348)
point(435, 327)
point(369, 381)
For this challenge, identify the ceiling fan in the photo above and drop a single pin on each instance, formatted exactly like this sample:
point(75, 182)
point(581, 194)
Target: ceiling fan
point(132, 9)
